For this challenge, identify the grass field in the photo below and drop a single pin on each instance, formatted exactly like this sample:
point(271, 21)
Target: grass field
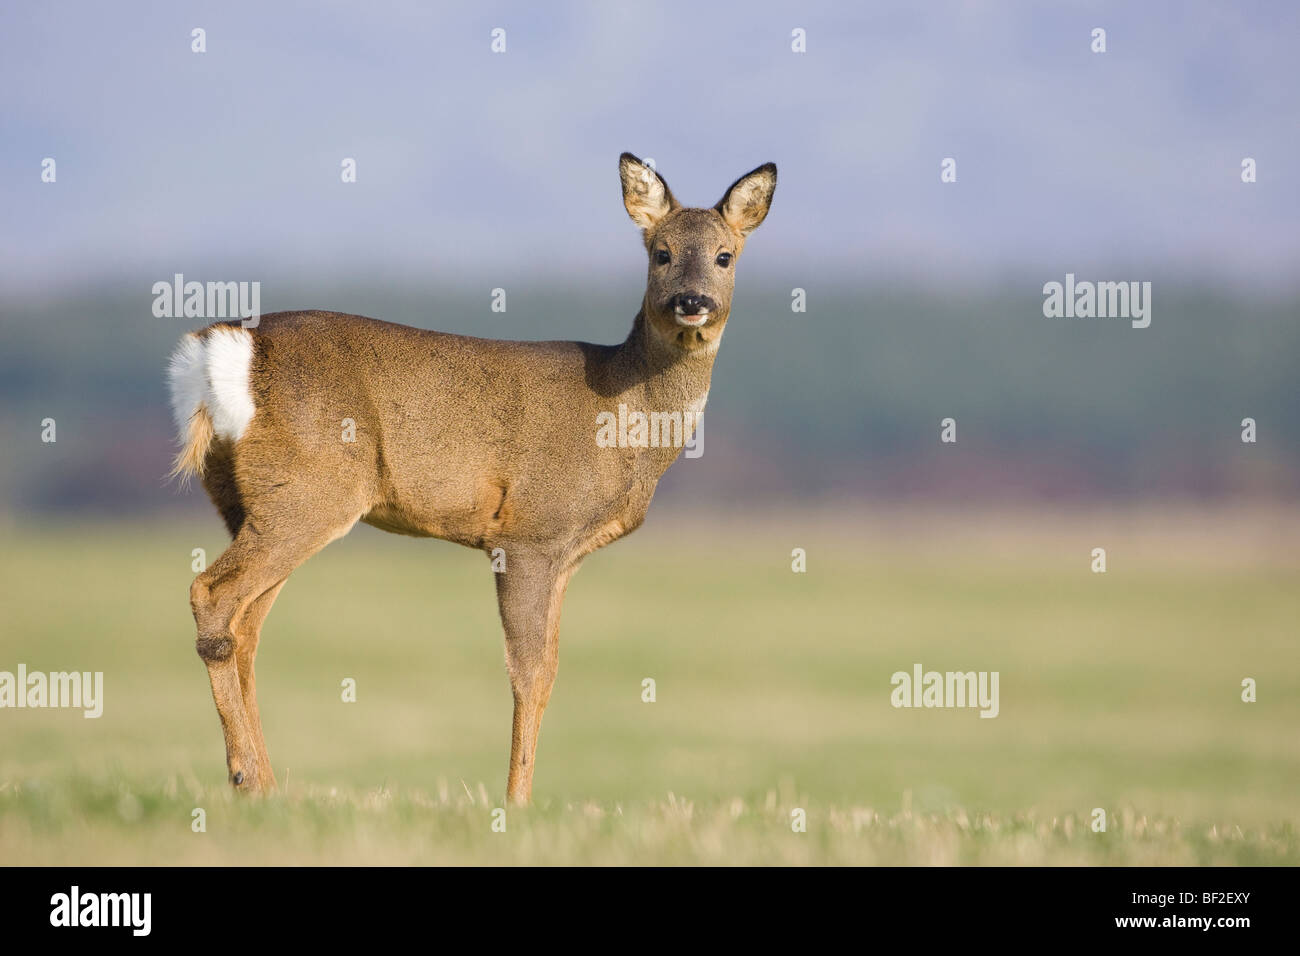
point(1119, 690)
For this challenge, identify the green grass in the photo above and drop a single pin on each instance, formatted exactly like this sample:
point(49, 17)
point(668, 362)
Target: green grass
point(1119, 691)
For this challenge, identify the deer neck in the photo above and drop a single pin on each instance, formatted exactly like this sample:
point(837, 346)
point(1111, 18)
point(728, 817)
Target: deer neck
point(664, 376)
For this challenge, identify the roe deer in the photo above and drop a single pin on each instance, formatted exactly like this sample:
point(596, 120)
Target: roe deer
point(490, 444)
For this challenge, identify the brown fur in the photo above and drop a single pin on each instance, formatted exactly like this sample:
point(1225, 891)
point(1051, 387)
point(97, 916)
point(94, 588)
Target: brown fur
point(192, 458)
point(490, 444)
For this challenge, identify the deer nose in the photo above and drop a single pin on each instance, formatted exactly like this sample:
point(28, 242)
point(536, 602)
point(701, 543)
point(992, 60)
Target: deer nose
point(692, 303)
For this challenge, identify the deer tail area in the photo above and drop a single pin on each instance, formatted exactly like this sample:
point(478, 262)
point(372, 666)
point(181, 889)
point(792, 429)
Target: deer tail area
point(208, 377)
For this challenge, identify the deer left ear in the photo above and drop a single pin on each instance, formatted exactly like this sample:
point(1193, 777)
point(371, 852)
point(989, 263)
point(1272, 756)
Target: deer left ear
point(746, 203)
point(646, 196)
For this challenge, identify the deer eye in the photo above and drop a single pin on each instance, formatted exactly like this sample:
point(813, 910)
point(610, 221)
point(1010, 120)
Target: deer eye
point(662, 257)
point(724, 259)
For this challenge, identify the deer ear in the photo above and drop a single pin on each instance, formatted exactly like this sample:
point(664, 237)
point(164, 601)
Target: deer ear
point(746, 203)
point(645, 194)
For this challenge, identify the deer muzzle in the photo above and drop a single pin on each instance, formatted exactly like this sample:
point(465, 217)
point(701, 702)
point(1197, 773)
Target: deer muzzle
point(692, 309)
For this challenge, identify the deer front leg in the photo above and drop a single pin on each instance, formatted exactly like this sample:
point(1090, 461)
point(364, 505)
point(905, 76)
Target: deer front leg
point(530, 594)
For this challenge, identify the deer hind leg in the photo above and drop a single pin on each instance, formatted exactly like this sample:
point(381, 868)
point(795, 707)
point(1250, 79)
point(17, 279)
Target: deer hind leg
point(530, 594)
point(256, 563)
point(248, 631)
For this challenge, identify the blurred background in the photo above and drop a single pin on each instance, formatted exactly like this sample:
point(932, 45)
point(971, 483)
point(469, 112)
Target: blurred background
point(479, 170)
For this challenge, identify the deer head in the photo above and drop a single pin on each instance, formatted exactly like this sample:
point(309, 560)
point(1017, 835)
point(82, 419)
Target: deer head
point(692, 251)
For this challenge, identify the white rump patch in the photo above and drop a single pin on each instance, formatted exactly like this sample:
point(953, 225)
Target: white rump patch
point(230, 399)
point(212, 370)
point(188, 380)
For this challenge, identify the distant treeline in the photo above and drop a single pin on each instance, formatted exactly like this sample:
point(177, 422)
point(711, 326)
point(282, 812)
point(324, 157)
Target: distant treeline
point(843, 400)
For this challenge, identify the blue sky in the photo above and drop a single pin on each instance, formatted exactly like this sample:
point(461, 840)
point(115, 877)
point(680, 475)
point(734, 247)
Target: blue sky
point(227, 163)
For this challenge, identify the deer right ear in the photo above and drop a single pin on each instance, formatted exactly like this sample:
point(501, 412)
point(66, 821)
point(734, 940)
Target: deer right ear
point(746, 203)
point(645, 194)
